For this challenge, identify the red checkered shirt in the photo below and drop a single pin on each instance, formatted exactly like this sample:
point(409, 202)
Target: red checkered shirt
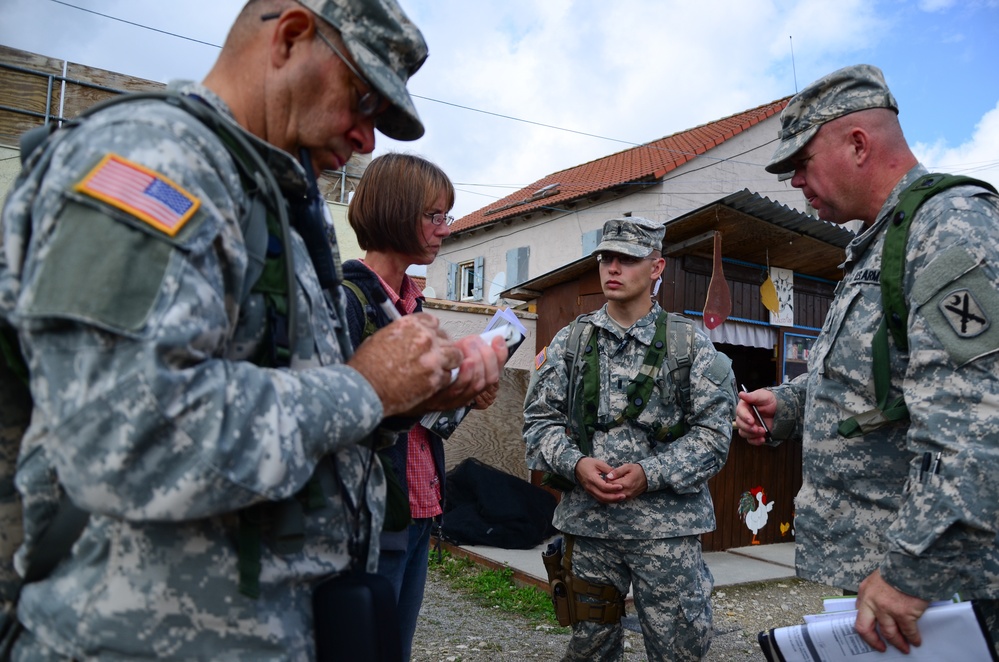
point(421, 474)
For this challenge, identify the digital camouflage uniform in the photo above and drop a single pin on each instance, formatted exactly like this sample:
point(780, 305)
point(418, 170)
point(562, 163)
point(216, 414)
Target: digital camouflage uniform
point(147, 407)
point(650, 542)
point(862, 506)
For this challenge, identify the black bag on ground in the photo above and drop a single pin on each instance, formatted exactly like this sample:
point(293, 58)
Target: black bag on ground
point(486, 506)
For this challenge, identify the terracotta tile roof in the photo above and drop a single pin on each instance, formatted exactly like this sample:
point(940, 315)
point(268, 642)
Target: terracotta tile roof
point(645, 163)
point(421, 282)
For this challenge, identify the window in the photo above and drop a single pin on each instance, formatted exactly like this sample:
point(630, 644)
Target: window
point(465, 280)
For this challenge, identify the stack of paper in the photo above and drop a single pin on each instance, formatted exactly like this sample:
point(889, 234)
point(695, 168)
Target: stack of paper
point(444, 423)
point(949, 630)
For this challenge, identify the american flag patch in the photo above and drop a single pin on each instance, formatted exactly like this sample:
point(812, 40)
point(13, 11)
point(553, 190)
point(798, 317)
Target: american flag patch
point(541, 358)
point(140, 192)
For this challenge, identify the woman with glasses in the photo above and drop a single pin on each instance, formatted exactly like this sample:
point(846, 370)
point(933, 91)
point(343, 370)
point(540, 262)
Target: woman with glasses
point(399, 213)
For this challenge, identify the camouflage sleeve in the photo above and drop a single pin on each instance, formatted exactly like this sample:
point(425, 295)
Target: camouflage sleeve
point(129, 335)
point(698, 455)
point(790, 417)
point(549, 448)
point(946, 530)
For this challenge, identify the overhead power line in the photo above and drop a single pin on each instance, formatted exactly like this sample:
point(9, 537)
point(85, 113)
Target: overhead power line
point(445, 103)
point(134, 24)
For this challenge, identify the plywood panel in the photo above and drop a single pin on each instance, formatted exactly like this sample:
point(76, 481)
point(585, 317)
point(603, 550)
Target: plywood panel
point(33, 88)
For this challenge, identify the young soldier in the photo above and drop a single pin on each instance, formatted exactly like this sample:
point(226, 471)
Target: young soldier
point(638, 499)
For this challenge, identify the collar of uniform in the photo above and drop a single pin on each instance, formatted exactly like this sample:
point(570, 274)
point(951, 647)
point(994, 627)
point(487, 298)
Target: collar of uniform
point(859, 245)
point(286, 169)
point(642, 330)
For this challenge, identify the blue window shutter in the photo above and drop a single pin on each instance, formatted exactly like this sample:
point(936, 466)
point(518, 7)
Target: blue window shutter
point(517, 260)
point(591, 239)
point(452, 281)
point(479, 278)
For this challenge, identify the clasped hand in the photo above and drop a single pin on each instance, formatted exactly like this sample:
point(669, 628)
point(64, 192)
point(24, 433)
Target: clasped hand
point(609, 484)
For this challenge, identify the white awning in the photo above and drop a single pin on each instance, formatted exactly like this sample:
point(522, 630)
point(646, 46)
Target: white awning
point(740, 333)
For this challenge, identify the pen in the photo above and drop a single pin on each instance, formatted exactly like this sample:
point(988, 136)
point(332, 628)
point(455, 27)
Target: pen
point(381, 299)
point(935, 467)
point(759, 419)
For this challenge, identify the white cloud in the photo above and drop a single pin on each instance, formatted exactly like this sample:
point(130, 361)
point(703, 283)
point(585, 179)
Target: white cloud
point(632, 70)
point(978, 157)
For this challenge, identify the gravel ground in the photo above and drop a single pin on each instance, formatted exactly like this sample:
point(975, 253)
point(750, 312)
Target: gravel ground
point(453, 627)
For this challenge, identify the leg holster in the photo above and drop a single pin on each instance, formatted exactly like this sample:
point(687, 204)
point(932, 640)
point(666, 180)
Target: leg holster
point(576, 599)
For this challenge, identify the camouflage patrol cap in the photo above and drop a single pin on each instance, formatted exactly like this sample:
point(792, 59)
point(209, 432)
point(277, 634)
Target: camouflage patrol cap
point(388, 49)
point(842, 92)
point(632, 235)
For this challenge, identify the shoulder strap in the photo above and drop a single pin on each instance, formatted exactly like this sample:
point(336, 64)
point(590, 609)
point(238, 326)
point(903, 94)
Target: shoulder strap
point(640, 388)
point(896, 237)
point(680, 337)
point(578, 349)
point(895, 320)
point(369, 323)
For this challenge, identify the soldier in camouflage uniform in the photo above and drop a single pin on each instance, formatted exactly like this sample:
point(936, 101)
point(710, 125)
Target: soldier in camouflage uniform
point(870, 515)
point(150, 408)
point(638, 505)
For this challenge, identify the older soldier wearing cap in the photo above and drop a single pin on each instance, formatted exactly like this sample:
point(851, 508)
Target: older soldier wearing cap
point(637, 499)
point(904, 512)
point(209, 421)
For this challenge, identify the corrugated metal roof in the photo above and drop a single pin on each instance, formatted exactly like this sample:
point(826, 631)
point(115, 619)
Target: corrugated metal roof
point(783, 216)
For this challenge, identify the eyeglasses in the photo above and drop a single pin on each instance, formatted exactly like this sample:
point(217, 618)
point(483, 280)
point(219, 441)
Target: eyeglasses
point(369, 102)
point(437, 219)
point(622, 259)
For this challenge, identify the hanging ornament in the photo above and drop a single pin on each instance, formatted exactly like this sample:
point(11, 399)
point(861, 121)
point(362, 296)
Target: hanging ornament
point(718, 304)
point(768, 292)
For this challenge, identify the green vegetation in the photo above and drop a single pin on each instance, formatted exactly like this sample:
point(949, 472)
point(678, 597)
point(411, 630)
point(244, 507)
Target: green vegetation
point(493, 588)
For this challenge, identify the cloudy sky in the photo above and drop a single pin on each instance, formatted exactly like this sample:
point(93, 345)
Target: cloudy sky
point(516, 89)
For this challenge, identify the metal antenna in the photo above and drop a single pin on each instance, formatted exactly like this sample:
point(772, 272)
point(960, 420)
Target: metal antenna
point(793, 70)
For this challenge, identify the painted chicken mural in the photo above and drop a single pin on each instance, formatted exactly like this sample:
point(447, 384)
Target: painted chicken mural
point(754, 510)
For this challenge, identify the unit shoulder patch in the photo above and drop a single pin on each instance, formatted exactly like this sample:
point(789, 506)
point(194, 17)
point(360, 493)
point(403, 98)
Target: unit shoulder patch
point(960, 314)
point(140, 192)
point(964, 314)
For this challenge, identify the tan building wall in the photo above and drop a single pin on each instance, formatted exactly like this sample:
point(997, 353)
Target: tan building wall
point(555, 238)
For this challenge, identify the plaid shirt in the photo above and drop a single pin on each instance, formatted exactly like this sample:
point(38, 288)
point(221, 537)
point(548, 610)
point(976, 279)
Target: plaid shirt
point(421, 475)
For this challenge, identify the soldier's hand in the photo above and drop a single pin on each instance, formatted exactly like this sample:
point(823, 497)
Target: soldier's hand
point(745, 419)
point(407, 361)
point(479, 371)
point(886, 614)
point(591, 474)
point(631, 478)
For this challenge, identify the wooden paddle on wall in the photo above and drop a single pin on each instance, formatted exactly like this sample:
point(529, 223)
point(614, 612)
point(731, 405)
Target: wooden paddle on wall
point(718, 304)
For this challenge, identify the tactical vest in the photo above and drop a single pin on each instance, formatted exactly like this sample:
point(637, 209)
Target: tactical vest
point(895, 320)
point(266, 227)
point(669, 354)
